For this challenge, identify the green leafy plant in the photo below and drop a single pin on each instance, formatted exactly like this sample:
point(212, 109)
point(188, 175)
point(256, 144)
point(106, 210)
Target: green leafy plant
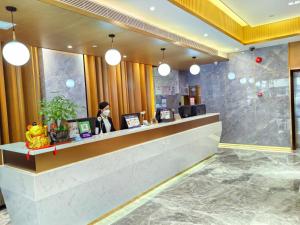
point(58, 109)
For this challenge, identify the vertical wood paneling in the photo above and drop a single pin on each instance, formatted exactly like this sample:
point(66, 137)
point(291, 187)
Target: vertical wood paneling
point(91, 85)
point(124, 88)
point(105, 80)
point(99, 76)
point(4, 131)
point(15, 103)
point(112, 73)
point(119, 89)
point(137, 87)
point(130, 87)
point(32, 88)
point(143, 87)
point(294, 55)
point(150, 92)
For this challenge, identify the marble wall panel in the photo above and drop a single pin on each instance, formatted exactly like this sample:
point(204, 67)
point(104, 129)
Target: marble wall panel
point(247, 118)
point(62, 73)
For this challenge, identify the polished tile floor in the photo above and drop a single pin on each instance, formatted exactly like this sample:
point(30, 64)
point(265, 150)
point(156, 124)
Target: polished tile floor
point(232, 188)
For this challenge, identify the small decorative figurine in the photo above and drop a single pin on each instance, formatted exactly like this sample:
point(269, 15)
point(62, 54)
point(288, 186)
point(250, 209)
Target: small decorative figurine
point(37, 136)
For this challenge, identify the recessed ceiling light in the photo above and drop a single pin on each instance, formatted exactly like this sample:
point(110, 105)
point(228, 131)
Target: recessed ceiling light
point(69, 46)
point(152, 8)
point(94, 46)
point(296, 2)
point(205, 35)
point(124, 56)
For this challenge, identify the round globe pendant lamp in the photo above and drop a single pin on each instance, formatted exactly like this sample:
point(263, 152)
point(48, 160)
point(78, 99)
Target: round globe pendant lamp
point(112, 56)
point(15, 52)
point(164, 69)
point(195, 68)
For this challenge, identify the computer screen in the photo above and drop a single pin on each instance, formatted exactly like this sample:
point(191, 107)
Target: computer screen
point(164, 115)
point(91, 120)
point(185, 111)
point(198, 110)
point(129, 121)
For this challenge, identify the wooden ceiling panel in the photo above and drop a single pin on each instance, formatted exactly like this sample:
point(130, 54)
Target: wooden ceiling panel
point(43, 25)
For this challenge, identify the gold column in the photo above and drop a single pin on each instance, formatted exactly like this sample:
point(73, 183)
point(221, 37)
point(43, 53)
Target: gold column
point(124, 88)
point(137, 87)
point(91, 85)
point(112, 72)
point(15, 102)
point(32, 87)
point(4, 131)
point(143, 87)
point(150, 92)
point(130, 87)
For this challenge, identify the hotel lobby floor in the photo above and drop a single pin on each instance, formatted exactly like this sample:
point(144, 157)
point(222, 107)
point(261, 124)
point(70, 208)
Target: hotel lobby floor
point(232, 188)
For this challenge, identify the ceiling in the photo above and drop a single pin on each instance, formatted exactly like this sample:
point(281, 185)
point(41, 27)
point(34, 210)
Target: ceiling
point(257, 12)
point(170, 17)
point(43, 25)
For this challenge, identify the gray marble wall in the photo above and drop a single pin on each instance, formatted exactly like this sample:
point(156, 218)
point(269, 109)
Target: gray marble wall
point(248, 118)
point(62, 73)
point(171, 88)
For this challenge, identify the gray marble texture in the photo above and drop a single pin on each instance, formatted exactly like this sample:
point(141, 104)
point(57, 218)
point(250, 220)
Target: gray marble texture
point(247, 118)
point(234, 188)
point(171, 87)
point(58, 71)
point(237, 188)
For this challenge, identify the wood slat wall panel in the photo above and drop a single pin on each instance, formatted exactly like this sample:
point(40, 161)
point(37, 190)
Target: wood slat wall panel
point(137, 87)
point(130, 87)
point(91, 85)
point(294, 55)
point(4, 131)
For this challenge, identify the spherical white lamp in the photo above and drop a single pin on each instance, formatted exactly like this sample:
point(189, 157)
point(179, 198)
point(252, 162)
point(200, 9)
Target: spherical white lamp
point(112, 56)
point(15, 52)
point(195, 69)
point(164, 69)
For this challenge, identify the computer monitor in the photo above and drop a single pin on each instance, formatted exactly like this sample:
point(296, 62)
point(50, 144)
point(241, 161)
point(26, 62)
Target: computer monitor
point(91, 120)
point(164, 115)
point(129, 121)
point(198, 110)
point(185, 111)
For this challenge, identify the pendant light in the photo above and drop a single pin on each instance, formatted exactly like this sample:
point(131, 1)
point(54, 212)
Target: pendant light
point(195, 68)
point(164, 69)
point(112, 56)
point(15, 52)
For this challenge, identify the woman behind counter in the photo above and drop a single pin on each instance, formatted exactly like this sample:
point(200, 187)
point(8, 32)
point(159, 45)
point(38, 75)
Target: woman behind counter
point(104, 123)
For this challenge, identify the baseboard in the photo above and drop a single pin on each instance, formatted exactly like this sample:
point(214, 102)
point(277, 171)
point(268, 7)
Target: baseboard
point(256, 147)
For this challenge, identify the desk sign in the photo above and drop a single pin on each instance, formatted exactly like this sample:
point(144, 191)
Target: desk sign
point(85, 129)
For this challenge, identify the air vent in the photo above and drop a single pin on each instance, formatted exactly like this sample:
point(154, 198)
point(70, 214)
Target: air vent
point(136, 24)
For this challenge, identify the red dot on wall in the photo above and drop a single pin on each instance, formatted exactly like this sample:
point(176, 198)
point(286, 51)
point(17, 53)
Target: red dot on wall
point(258, 59)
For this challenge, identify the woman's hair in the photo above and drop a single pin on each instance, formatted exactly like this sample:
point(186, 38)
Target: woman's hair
point(102, 105)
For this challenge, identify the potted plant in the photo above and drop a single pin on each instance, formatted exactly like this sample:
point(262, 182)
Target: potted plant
point(56, 112)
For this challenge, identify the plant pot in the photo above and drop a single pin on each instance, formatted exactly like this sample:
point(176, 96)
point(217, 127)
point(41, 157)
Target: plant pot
point(62, 136)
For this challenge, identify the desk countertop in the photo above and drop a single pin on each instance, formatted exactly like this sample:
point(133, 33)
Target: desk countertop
point(19, 147)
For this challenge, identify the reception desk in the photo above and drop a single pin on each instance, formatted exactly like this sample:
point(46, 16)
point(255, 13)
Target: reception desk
point(91, 177)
